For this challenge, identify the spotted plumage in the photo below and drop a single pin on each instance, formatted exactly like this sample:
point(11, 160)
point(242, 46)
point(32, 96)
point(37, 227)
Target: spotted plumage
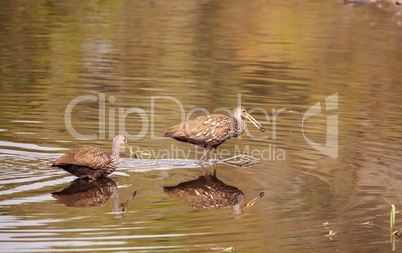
point(92, 162)
point(212, 130)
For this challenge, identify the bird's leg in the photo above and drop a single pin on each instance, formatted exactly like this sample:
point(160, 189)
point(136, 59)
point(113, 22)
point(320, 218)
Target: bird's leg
point(200, 161)
point(203, 170)
point(215, 161)
point(203, 155)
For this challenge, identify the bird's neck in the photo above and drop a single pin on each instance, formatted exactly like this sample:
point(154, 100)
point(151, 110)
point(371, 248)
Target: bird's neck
point(238, 126)
point(116, 150)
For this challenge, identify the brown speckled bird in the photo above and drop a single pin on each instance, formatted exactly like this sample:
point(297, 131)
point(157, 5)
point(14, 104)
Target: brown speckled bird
point(92, 162)
point(212, 130)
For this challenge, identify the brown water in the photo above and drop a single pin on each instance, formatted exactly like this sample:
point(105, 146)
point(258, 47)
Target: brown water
point(140, 67)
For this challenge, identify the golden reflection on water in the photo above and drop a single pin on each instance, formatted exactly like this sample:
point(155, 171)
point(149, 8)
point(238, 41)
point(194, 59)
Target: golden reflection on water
point(147, 65)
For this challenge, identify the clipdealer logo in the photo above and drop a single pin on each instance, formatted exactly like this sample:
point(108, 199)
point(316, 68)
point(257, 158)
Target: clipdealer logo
point(105, 111)
point(330, 148)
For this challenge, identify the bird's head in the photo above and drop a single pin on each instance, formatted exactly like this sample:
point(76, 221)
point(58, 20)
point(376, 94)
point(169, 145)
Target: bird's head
point(244, 114)
point(122, 140)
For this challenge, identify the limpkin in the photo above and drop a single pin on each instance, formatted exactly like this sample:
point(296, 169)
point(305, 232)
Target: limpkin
point(92, 162)
point(212, 130)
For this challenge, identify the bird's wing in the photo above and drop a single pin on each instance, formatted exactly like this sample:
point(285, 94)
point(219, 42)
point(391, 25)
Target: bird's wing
point(95, 158)
point(202, 128)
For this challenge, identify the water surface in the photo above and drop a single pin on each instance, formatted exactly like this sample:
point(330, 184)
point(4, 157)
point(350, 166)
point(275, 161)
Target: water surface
point(140, 67)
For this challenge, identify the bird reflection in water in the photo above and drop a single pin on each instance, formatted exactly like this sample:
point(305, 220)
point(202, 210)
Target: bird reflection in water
point(208, 192)
point(85, 192)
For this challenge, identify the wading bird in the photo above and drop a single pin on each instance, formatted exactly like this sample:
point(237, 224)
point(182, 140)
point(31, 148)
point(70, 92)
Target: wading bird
point(92, 162)
point(212, 130)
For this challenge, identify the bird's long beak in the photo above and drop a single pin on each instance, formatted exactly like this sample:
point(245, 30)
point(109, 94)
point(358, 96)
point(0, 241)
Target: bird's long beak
point(255, 122)
point(131, 150)
point(252, 202)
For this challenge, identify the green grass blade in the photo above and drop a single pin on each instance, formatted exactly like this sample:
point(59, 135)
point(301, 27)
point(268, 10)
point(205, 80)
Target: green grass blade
point(392, 217)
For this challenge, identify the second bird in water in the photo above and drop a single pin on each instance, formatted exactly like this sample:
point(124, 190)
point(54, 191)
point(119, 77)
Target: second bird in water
point(212, 130)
